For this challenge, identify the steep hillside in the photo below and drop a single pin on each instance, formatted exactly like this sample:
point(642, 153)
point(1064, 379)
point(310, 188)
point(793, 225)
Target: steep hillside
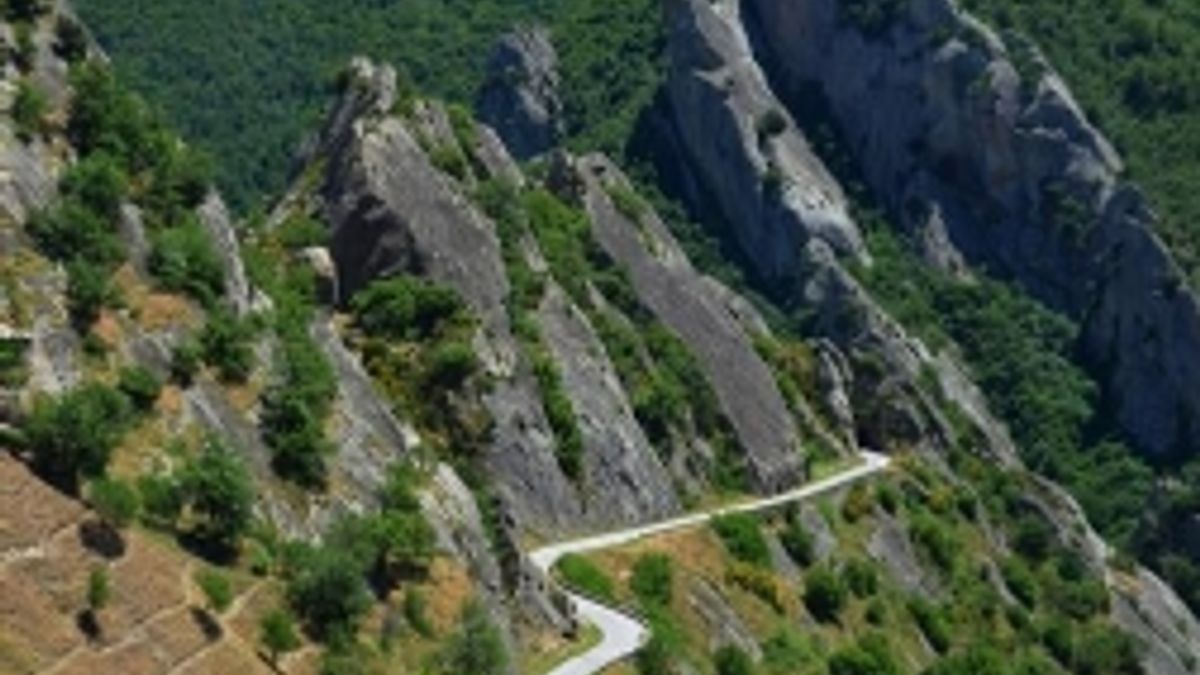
point(328, 435)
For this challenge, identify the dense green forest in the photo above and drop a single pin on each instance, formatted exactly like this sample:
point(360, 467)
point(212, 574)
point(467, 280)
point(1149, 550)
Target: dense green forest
point(246, 81)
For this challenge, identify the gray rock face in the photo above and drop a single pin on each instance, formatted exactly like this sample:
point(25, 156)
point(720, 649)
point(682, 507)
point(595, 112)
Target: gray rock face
point(393, 212)
point(626, 482)
point(520, 97)
point(669, 286)
point(744, 147)
point(215, 219)
point(1017, 176)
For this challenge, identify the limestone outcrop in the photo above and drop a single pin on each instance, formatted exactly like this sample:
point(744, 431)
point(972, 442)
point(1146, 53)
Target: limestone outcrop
point(520, 98)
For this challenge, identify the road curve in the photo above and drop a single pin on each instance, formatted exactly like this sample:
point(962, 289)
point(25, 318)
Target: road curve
point(623, 635)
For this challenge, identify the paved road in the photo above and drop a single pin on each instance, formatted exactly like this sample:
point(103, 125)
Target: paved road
point(623, 635)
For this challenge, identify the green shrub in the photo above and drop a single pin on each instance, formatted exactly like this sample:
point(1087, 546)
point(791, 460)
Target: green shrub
point(328, 592)
point(219, 494)
point(416, 612)
point(477, 647)
point(861, 577)
point(74, 435)
point(299, 232)
point(99, 589)
point(89, 291)
point(186, 360)
point(652, 579)
point(72, 231)
point(29, 109)
point(225, 342)
point(932, 621)
point(755, 580)
point(117, 502)
point(798, 542)
point(183, 260)
point(406, 308)
point(824, 595)
point(584, 576)
point(140, 385)
point(731, 660)
point(277, 633)
point(869, 656)
point(217, 590)
point(451, 364)
point(743, 539)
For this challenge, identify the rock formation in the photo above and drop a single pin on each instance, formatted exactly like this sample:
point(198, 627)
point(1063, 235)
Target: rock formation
point(520, 98)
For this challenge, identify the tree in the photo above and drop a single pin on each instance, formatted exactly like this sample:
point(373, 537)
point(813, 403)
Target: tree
point(183, 259)
point(74, 435)
point(404, 544)
point(225, 342)
point(652, 579)
point(277, 633)
point(117, 502)
point(798, 542)
point(869, 656)
point(88, 292)
point(217, 591)
point(29, 109)
point(329, 593)
point(477, 647)
point(140, 385)
point(219, 492)
point(824, 595)
point(731, 660)
point(743, 538)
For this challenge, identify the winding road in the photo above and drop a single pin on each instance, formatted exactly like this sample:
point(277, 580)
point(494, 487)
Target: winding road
point(622, 635)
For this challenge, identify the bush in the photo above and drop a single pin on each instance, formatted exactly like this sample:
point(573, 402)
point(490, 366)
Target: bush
point(98, 182)
point(29, 110)
point(115, 500)
point(584, 576)
point(140, 385)
point(731, 660)
point(186, 361)
point(652, 579)
point(74, 435)
point(935, 539)
point(869, 656)
point(216, 589)
point(299, 232)
point(824, 595)
point(451, 364)
point(277, 633)
point(1020, 581)
point(932, 621)
point(184, 260)
point(743, 539)
point(161, 498)
point(477, 647)
point(219, 492)
point(328, 592)
point(756, 581)
point(405, 308)
point(861, 577)
point(225, 342)
point(798, 542)
point(99, 590)
point(416, 613)
point(88, 292)
point(72, 231)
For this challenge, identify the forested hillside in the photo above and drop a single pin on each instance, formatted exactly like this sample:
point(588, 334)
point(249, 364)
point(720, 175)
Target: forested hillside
point(245, 81)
